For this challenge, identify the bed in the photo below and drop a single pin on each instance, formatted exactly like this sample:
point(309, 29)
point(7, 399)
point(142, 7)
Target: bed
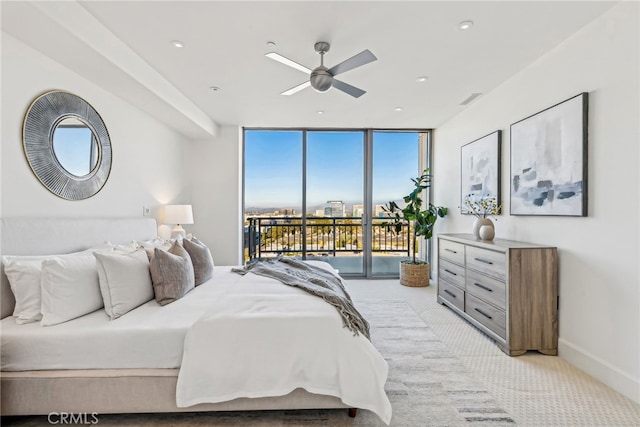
point(80, 365)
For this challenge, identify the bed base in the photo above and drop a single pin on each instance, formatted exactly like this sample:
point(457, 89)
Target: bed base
point(108, 391)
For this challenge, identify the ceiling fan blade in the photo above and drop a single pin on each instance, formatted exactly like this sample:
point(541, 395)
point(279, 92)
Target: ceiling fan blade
point(287, 61)
point(358, 60)
point(296, 88)
point(348, 89)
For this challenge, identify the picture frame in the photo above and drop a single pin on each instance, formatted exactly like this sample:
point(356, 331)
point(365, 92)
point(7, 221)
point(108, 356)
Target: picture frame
point(480, 170)
point(548, 160)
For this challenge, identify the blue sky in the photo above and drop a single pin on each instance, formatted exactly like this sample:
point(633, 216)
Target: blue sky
point(273, 167)
point(72, 147)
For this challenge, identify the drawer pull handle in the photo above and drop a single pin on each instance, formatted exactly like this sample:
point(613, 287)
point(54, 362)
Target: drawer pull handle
point(483, 313)
point(484, 260)
point(447, 291)
point(450, 272)
point(481, 286)
point(451, 250)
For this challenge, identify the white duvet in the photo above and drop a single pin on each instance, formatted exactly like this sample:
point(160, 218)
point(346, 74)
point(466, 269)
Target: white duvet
point(267, 339)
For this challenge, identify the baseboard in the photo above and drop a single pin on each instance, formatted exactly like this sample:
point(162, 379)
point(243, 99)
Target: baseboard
point(601, 370)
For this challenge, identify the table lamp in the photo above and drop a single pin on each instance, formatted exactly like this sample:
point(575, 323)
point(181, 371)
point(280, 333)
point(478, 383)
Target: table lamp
point(178, 214)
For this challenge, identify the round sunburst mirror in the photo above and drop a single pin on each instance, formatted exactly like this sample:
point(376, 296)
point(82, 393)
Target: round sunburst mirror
point(67, 145)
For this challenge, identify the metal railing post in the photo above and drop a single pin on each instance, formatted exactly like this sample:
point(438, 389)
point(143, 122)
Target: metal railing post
point(334, 236)
point(251, 243)
point(409, 241)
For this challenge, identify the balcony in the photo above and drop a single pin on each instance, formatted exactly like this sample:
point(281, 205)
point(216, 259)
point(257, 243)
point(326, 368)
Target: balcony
point(336, 240)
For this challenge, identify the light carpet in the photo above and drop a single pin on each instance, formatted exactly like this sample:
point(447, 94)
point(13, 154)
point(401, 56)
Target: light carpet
point(427, 386)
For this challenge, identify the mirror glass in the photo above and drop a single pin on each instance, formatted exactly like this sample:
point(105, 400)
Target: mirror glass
point(67, 145)
point(75, 146)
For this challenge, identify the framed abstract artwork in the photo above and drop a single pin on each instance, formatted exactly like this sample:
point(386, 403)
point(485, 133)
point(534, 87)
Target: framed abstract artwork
point(480, 170)
point(549, 160)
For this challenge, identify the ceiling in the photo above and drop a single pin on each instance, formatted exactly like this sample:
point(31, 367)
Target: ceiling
point(125, 47)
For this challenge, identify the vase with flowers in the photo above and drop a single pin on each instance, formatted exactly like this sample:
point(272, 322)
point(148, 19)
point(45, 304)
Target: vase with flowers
point(483, 208)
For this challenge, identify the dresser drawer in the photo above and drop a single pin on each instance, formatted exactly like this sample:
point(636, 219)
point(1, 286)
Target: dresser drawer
point(451, 293)
point(452, 273)
point(486, 288)
point(491, 317)
point(452, 251)
point(486, 261)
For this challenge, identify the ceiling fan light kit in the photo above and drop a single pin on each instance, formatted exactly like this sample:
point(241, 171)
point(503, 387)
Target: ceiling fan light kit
point(322, 78)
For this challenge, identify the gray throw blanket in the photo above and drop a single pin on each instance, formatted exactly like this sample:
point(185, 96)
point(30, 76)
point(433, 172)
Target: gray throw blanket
point(314, 280)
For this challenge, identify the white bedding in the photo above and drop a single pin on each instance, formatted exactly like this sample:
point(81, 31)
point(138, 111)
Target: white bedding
point(150, 336)
point(278, 338)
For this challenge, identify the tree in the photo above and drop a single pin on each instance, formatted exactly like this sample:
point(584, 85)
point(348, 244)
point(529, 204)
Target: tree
point(422, 221)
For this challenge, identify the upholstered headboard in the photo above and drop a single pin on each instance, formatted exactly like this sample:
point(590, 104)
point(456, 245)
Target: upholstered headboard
point(44, 236)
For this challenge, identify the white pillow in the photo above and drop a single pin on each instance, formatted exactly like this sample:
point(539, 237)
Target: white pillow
point(125, 247)
point(150, 245)
point(24, 279)
point(70, 288)
point(23, 272)
point(125, 281)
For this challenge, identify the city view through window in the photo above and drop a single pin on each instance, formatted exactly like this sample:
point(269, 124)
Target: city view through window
point(305, 192)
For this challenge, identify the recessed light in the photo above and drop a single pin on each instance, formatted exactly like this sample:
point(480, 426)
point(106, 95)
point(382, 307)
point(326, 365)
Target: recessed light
point(214, 88)
point(177, 43)
point(271, 44)
point(422, 79)
point(320, 112)
point(464, 25)
point(398, 109)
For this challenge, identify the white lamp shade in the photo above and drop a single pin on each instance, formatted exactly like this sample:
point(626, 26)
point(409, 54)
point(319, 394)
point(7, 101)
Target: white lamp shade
point(178, 214)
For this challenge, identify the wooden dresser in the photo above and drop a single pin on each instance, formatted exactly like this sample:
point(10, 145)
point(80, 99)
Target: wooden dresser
point(508, 289)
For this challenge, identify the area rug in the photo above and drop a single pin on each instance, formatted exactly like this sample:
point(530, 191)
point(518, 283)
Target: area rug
point(427, 386)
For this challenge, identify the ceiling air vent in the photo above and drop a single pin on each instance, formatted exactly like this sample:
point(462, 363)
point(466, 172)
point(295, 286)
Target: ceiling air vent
point(470, 98)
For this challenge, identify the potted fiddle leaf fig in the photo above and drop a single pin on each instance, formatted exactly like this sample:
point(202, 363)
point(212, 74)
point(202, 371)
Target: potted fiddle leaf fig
point(415, 272)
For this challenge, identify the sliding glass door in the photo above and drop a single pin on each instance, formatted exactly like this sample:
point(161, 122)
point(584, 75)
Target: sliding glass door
point(272, 193)
point(334, 198)
point(318, 194)
point(395, 160)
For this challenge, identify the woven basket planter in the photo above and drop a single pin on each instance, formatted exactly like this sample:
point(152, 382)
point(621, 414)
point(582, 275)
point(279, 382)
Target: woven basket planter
point(414, 275)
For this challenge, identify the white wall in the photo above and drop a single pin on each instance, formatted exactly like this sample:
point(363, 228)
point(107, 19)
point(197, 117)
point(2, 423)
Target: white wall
point(152, 164)
point(147, 155)
point(599, 255)
point(215, 168)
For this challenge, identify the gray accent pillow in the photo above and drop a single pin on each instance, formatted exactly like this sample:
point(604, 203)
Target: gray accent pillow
point(201, 259)
point(171, 273)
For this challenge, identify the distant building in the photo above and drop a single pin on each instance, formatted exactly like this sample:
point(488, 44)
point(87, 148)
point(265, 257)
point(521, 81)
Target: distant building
point(285, 212)
point(335, 208)
point(378, 212)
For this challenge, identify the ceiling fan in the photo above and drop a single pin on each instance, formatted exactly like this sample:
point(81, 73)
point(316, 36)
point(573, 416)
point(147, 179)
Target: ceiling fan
point(322, 78)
